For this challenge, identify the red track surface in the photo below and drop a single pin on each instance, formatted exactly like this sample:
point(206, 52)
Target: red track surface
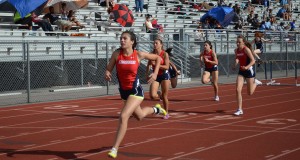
point(199, 128)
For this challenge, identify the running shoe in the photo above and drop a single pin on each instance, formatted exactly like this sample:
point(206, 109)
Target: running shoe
point(160, 109)
point(238, 112)
point(217, 98)
point(113, 153)
point(167, 116)
point(257, 82)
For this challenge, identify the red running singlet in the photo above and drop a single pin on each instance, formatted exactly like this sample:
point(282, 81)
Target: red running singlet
point(162, 62)
point(127, 68)
point(209, 56)
point(242, 56)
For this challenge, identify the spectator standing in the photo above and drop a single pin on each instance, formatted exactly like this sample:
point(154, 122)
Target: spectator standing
point(139, 6)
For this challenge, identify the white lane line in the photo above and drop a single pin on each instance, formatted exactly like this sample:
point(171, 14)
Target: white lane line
point(268, 156)
point(129, 144)
point(236, 140)
point(179, 153)
point(199, 148)
point(55, 141)
point(30, 145)
point(285, 153)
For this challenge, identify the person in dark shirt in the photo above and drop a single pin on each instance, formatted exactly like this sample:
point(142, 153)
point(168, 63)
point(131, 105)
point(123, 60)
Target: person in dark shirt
point(55, 20)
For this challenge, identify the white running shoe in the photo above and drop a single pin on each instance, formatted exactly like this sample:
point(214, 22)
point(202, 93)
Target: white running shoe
point(238, 112)
point(112, 153)
point(257, 82)
point(217, 98)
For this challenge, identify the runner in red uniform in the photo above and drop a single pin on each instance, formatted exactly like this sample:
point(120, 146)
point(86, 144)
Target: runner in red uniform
point(127, 59)
point(163, 77)
point(209, 57)
point(244, 57)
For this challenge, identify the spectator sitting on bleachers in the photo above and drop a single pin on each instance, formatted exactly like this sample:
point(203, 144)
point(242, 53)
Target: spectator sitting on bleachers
point(273, 23)
point(106, 3)
point(292, 25)
point(255, 22)
point(45, 24)
point(199, 37)
point(250, 17)
point(207, 6)
point(281, 12)
point(281, 27)
point(268, 24)
point(270, 13)
point(72, 18)
point(206, 24)
point(238, 26)
point(148, 24)
point(55, 20)
point(262, 26)
point(283, 2)
point(64, 12)
point(288, 14)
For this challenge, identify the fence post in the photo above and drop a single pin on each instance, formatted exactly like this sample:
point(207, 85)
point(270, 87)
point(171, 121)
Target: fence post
point(287, 58)
point(107, 82)
point(28, 72)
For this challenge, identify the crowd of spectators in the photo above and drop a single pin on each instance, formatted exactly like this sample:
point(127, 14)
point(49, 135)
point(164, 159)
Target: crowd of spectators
point(260, 16)
point(255, 15)
point(65, 20)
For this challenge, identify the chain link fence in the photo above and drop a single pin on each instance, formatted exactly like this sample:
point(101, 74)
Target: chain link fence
point(38, 71)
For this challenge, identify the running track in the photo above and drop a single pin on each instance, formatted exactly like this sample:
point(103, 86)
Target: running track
point(199, 128)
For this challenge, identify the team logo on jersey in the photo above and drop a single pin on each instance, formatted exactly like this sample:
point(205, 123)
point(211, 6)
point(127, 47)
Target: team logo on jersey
point(127, 62)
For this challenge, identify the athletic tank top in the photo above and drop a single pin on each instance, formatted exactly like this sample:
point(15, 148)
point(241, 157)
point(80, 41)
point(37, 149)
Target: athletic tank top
point(162, 62)
point(127, 67)
point(242, 57)
point(259, 44)
point(209, 56)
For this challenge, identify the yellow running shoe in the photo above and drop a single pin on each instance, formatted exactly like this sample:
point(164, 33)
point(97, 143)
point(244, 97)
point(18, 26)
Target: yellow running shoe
point(112, 153)
point(161, 110)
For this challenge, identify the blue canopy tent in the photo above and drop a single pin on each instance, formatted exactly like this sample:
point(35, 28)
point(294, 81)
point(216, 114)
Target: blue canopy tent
point(224, 15)
point(24, 7)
